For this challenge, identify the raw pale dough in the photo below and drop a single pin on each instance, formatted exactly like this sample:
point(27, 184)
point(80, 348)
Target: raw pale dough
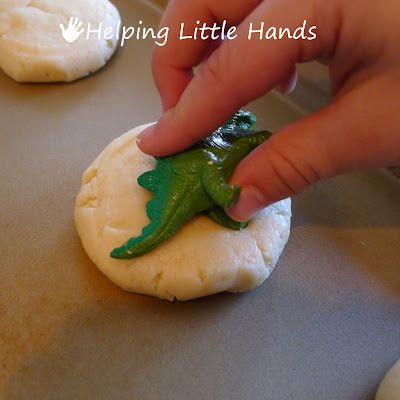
point(389, 389)
point(201, 259)
point(32, 48)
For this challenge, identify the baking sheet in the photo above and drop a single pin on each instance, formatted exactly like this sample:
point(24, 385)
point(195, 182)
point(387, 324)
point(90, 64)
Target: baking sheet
point(326, 325)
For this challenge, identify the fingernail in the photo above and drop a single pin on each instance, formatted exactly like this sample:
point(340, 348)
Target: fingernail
point(144, 137)
point(289, 86)
point(250, 202)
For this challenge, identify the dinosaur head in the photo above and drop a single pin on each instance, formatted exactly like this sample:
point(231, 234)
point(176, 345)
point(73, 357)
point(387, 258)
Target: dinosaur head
point(232, 146)
point(246, 141)
point(240, 131)
point(243, 120)
point(251, 139)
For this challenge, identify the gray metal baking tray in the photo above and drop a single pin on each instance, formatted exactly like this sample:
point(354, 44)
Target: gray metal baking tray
point(326, 325)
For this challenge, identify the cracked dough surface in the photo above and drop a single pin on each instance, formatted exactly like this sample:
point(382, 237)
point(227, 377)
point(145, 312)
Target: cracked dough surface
point(389, 389)
point(31, 45)
point(201, 259)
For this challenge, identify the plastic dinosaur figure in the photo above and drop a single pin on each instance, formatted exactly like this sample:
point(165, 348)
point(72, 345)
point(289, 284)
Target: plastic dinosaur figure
point(193, 182)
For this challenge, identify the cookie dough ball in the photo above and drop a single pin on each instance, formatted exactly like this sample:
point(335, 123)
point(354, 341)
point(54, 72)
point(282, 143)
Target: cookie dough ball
point(202, 258)
point(389, 389)
point(32, 46)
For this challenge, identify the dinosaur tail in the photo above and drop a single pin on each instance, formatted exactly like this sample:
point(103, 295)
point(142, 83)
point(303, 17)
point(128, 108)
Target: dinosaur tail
point(152, 235)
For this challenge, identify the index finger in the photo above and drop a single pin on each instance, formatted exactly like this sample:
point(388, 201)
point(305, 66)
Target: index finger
point(173, 63)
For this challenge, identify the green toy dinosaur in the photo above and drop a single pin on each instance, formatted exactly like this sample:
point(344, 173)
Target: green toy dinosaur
point(194, 181)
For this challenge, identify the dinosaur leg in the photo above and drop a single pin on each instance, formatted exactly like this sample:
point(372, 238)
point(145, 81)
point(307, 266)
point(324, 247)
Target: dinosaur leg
point(217, 214)
point(215, 185)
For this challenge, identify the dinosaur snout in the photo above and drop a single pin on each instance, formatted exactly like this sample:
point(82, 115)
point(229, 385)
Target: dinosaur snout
point(260, 137)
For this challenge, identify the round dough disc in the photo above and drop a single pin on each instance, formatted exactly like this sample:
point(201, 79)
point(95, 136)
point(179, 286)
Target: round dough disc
point(202, 258)
point(32, 48)
point(389, 389)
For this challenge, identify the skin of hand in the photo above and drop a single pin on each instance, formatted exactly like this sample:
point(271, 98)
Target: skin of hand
point(360, 128)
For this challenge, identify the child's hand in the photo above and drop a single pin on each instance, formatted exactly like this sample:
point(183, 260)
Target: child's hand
point(360, 128)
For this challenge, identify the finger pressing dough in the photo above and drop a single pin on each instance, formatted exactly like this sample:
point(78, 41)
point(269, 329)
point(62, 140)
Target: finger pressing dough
point(201, 259)
point(389, 389)
point(32, 48)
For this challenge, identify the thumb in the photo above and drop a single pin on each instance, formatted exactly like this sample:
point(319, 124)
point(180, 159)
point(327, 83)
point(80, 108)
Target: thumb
point(353, 132)
point(62, 27)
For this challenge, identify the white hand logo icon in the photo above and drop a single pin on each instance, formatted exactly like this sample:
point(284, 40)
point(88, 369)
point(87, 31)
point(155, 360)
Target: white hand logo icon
point(73, 31)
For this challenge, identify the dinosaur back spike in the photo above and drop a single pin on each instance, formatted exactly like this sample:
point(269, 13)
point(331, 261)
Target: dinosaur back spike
point(151, 210)
point(147, 181)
